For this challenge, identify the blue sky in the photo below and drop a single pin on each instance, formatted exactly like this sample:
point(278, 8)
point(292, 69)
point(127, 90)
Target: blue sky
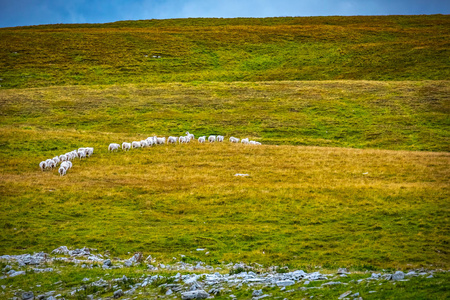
point(36, 12)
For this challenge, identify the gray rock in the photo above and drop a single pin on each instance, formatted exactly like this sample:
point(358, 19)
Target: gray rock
point(27, 296)
point(331, 283)
point(399, 275)
point(107, 263)
point(342, 271)
point(128, 263)
point(118, 294)
point(198, 294)
point(345, 294)
point(53, 298)
point(257, 293)
point(375, 276)
point(285, 282)
point(411, 273)
point(214, 291)
point(13, 273)
point(355, 295)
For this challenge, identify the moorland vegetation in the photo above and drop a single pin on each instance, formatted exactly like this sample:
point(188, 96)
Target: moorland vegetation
point(352, 112)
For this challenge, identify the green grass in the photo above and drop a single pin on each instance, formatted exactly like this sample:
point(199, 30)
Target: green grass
point(361, 114)
point(300, 206)
point(242, 49)
point(353, 113)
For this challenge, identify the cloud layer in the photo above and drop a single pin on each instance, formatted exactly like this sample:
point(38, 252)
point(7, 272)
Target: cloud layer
point(36, 12)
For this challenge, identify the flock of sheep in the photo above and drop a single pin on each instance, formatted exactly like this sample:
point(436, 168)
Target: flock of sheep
point(153, 140)
point(65, 160)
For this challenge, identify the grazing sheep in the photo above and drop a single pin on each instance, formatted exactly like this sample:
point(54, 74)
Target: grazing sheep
point(62, 171)
point(220, 138)
point(42, 165)
point(82, 154)
point(171, 140)
point(244, 141)
point(56, 160)
point(66, 165)
point(212, 138)
point(234, 140)
point(190, 135)
point(257, 143)
point(89, 151)
point(126, 146)
point(150, 141)
point(160, 141)
point(202, 139)
point(63, 157)
point(188, 138)
point(113, 147)
point(182, 139)
point(144, 144)
point(50, 164)
point(135, 145)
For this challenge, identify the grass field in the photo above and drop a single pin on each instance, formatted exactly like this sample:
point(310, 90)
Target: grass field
point(242, 49)
point(352, 112)
point(301, 205)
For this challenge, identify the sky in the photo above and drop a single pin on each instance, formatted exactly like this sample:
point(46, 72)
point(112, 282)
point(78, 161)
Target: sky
point(37, 12)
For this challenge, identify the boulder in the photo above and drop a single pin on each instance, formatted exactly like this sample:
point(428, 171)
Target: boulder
point(345, 294)
point(198, 294)
point(285, 282)
point(118, 294)
point(107, 263)
point(399, 275)
point(27, 296)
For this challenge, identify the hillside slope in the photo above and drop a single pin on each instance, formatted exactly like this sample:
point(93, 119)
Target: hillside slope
point(242, 49)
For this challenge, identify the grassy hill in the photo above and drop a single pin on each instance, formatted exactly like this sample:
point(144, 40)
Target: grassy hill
point(242, 49)
point(353, 114)
point(300, 205)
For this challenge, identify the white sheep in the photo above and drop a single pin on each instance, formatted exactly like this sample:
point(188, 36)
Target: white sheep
point(150, 141)
point(144, 144)
point(171, 140)
point(202, 139)
point(126, 146)
point(66, 165)
point(220, 138)
point(234, 140)
point(160, 141)
point(50, 164)
point(56, 160)
point(135, 145)
point(244, 141)
point(82, 154)
point(182, 139)
point(113, 147)
point(42, 165)
point(62, 171)
point(89, 151)
point(212, 138)
point(190, 135)
point(63, 157)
